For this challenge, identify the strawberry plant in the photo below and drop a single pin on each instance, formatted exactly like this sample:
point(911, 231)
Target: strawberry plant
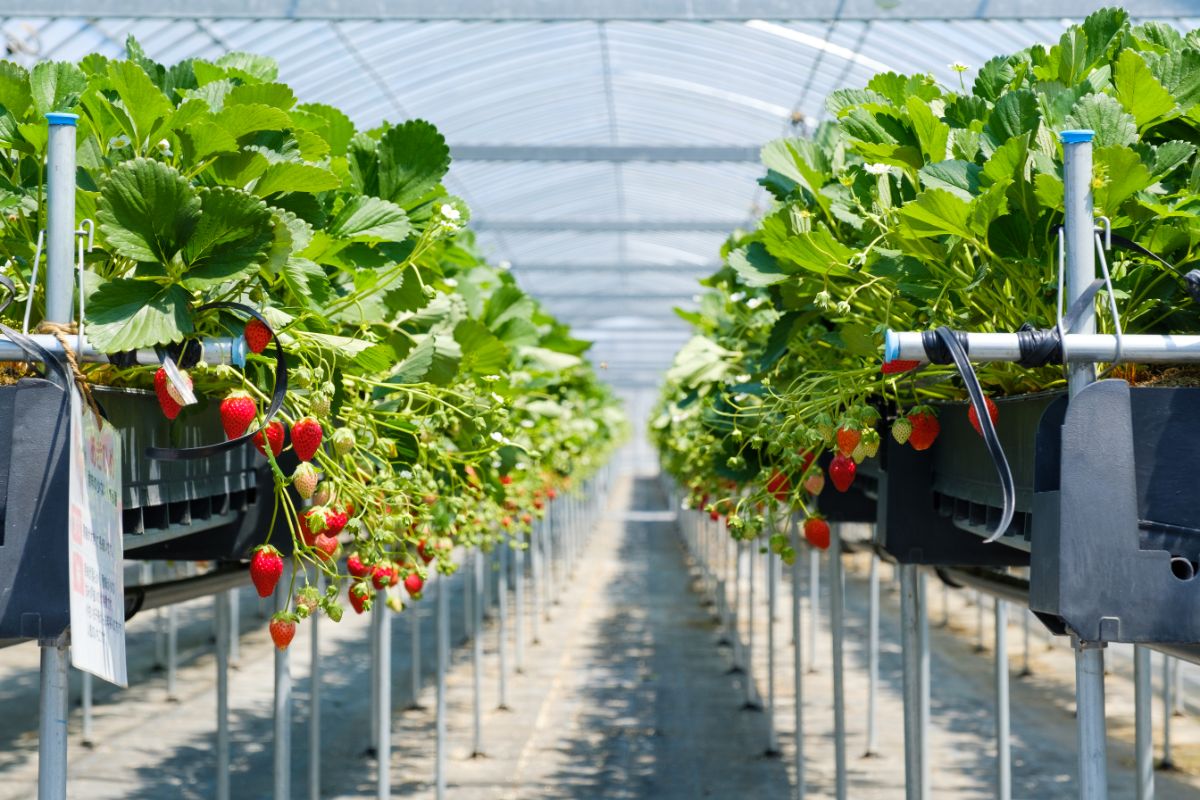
point(418, 375)
point(919, 205)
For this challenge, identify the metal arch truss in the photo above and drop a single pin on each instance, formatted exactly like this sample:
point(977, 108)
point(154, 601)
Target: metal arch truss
point(574, 10)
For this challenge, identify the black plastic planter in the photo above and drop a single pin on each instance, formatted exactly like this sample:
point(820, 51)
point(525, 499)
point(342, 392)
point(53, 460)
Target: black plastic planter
point(200, 509)
point(1116, 515)
point(936, 505)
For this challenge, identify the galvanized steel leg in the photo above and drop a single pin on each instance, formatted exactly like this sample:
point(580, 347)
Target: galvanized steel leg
point(283, 719)
point(1003, 747)
point(979, 645)
point(1089, 719)
point(814, 605)
point(502, 632)
point(916, 665)
point(1025, 670)
point(223, 640)
point(1168, 759)
point(314, 701)
point(872, 653)
point(518, 557)
point(535, 577)
point(443, 664)
point(383, 696)
point(751, 693)
point(235, 625)
point(477, 659)
point(1143, 700)
point(468, 601)
point(414, 630)
point(736, 628)
point(172, 653)
point(772, 591)
point(797, 663)
point(52, 720)
point(836, 622)
point(86, 703)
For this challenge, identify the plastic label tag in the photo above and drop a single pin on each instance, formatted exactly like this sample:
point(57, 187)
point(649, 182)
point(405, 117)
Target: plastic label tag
point(95, 547)
point(181, 384)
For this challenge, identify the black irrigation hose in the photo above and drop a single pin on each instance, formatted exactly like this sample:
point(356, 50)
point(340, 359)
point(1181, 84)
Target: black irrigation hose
point(995, 450)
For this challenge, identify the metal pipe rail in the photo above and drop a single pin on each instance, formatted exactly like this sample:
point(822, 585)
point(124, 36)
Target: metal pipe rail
point(214, 351)
point(1076, 347)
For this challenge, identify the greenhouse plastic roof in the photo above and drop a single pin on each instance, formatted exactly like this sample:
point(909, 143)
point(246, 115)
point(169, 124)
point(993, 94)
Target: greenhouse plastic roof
point(606, 148)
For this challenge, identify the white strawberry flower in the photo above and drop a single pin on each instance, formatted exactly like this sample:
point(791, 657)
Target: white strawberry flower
point(117, 142)
point(753, 303)
point(497, 436)
point(878, 169)
point(450, 212)
point(958, 66)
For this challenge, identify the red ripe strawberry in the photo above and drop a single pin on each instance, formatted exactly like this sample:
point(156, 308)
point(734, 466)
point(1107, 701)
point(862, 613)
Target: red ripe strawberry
point(274, 437)
point(848, 439)
point(814, 483)
point(526, 519)
point(779, 486)
point(283, 629)
point(424, 551)
point(326, 546)
point(506, 479)
point(360, 596)
point(257, 336)
point(898, 366)
point(714, 515)
point(356, 567)
point(266, 565)
point(552, 493)
point(816, 531)
point(842, 471)
point(310, 524)
point(806, 459)
point(238, 411)
point(384, 575)
point(335, 521)
point(413, 583)
point(993, 412)
point(506, 522)
point(306, 438)
point(169, 406)
point(925, 428)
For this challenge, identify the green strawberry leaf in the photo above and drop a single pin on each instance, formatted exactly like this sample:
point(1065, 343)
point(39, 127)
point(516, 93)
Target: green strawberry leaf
point(231, 239)
point(413, 158)
point(143, 102)
point(55, 86)
point(370, 219)
point(289, 176)
point(129, 313)
point(147, 210)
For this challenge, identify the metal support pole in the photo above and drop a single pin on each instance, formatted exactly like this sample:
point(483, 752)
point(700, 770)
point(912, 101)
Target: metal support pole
point(314, 701)
point(1003, 745)
point(945, 605)
point(383, 696)
point(915, 669)
point(477, 658)
point(1168, 758)
point(372, 684)
point(283, 714)
point(414, 629)
point(1089, 721)
point(548, 542)
point(979, 645)
point(235, 625)
point(814, 605)
point(872, 654)
point(751, 693)
point(535, 578)
point(739, 664)
point(172, 653)
point(1180, 699)
point(797, 663)
point(502, 628)
point(836, 621)
point(1025, 670)
point(443, 664)
point(86, 702)
point(1079, 272)
point(772, 592)
point(518, 558)
point(223, 607)
point(468, 601)
point(52, 721)
point(1143, 699)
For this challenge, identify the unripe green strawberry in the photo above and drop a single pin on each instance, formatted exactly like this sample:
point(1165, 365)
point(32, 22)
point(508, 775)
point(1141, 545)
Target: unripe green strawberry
point(870, 442)
point(323, 496)
point(859, 452)
point(901, 430)
point(825, 429)
point(305, 479)
point(343, 441)
point(319, 405)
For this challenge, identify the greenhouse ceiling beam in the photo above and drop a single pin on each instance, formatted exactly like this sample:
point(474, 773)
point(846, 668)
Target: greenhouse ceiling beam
point(568, 10)
point(609, 154)
point(571, 270)
point(605, 225)
point(610, 295)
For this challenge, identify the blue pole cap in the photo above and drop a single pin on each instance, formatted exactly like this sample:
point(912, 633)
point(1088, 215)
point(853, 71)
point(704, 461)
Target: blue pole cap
point(891, 346)
point(237, 353)
point(1075, 137)
point(62, 118)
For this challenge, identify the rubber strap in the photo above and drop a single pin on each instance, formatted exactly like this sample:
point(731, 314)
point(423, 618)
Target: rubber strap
point(1039, 347)
point(278, 393)
point(990, 439)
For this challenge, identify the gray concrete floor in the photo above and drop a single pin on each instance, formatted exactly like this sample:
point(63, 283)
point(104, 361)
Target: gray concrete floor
point(627, 695)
